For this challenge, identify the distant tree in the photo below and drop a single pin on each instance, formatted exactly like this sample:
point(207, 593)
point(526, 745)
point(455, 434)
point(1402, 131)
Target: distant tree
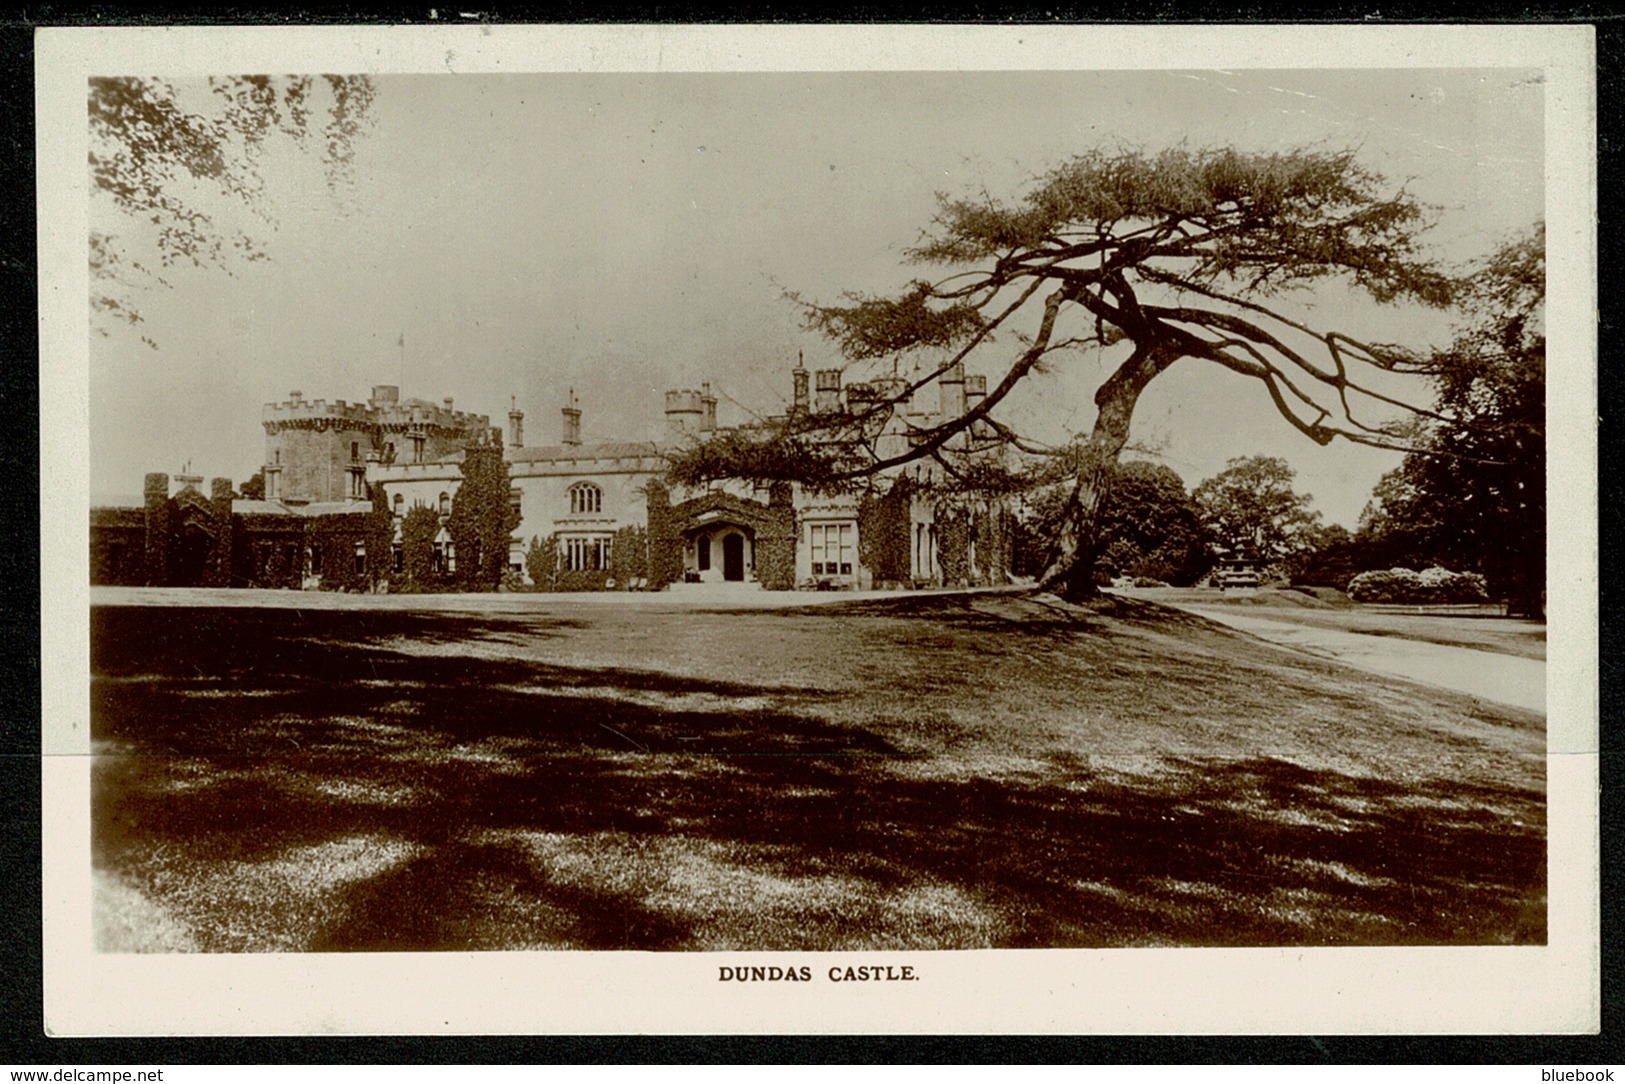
point(1152, 526)
point(1331, 557)
point(254, 488)
point(163, 154)
point(1475, 498)
point(482, 519)
point(1253, 511)
point(418, 529)
point(1152, 258)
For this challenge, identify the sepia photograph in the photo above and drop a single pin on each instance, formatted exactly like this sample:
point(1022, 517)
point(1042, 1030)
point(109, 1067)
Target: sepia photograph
point(811, 524)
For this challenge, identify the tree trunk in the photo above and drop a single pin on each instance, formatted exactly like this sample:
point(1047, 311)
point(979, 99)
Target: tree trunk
point(1079, 542)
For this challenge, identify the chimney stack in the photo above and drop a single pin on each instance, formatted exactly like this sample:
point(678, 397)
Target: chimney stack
point(708, 409)
point(952, 385)
point(827, 398)
point(975, 392)
point(516, 424)
point(572, 421)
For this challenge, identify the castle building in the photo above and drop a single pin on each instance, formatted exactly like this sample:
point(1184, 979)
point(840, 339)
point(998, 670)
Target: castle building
point(340, 477)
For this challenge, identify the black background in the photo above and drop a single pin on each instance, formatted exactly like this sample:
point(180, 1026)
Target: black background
point(22, 1037)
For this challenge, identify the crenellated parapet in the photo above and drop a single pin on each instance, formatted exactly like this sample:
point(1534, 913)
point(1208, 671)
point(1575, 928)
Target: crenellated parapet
point(418, 414)
point(378, 416)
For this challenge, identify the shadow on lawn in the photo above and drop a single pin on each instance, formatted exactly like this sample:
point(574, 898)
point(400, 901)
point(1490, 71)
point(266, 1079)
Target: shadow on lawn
point(534, 805)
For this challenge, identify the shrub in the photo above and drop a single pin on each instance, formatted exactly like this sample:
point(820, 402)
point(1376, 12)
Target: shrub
point(1149, 581)
point(542, 562)
point(1403, 586)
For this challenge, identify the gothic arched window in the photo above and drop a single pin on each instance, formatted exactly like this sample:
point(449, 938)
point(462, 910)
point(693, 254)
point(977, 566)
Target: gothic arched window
point(586, 499)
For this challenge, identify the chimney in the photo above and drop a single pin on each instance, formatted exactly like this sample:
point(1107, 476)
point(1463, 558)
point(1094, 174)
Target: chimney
point(385, 393)
point(516, 424)
point(572, 422)
point(827, 399)
point(975, 392)
point(448, 402)
point(952, 385)
point(708, 409)
point(799, 375)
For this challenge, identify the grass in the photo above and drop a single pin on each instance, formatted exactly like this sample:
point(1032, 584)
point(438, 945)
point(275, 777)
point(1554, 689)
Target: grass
point(922, 772)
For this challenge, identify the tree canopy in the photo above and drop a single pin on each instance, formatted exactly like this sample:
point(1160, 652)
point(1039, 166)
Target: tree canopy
point(1152, 258)
point(162, 156)
point(1473, 498)
point(1152, 526)
point(1253, 511)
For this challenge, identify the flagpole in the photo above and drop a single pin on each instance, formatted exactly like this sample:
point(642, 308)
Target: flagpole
point(402, 343)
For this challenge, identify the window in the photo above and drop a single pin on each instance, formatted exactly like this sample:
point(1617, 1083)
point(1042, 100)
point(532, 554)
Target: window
point(586, 499)
point(360, 559)
point(587, 553)
point(445, 503)
point(516, 503)
point(400, 503)
point(831, 546)
point(355, 451)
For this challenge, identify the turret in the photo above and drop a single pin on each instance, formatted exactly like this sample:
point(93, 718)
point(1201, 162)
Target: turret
point(685, 412)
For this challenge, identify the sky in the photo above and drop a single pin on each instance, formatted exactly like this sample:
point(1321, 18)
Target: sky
point(622, 234)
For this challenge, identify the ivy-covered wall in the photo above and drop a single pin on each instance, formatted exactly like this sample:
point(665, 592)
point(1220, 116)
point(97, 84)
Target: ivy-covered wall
point(118, 540)
point(953, 545)
point(665, 541)
point(776, 541)
point(267, 551)
point(995, 530)
point(885, 535)
point(336, 538)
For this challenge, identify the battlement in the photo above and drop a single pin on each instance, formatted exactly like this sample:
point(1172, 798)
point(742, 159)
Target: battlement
point(419, 412)
point(383, 410)
point(684, 401)
point(297, 408)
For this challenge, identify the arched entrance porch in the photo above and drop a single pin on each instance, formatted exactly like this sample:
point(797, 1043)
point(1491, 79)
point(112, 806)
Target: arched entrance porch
point(720, 551)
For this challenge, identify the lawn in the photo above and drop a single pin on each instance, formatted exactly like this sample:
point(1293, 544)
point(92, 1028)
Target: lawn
point(925, 771)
